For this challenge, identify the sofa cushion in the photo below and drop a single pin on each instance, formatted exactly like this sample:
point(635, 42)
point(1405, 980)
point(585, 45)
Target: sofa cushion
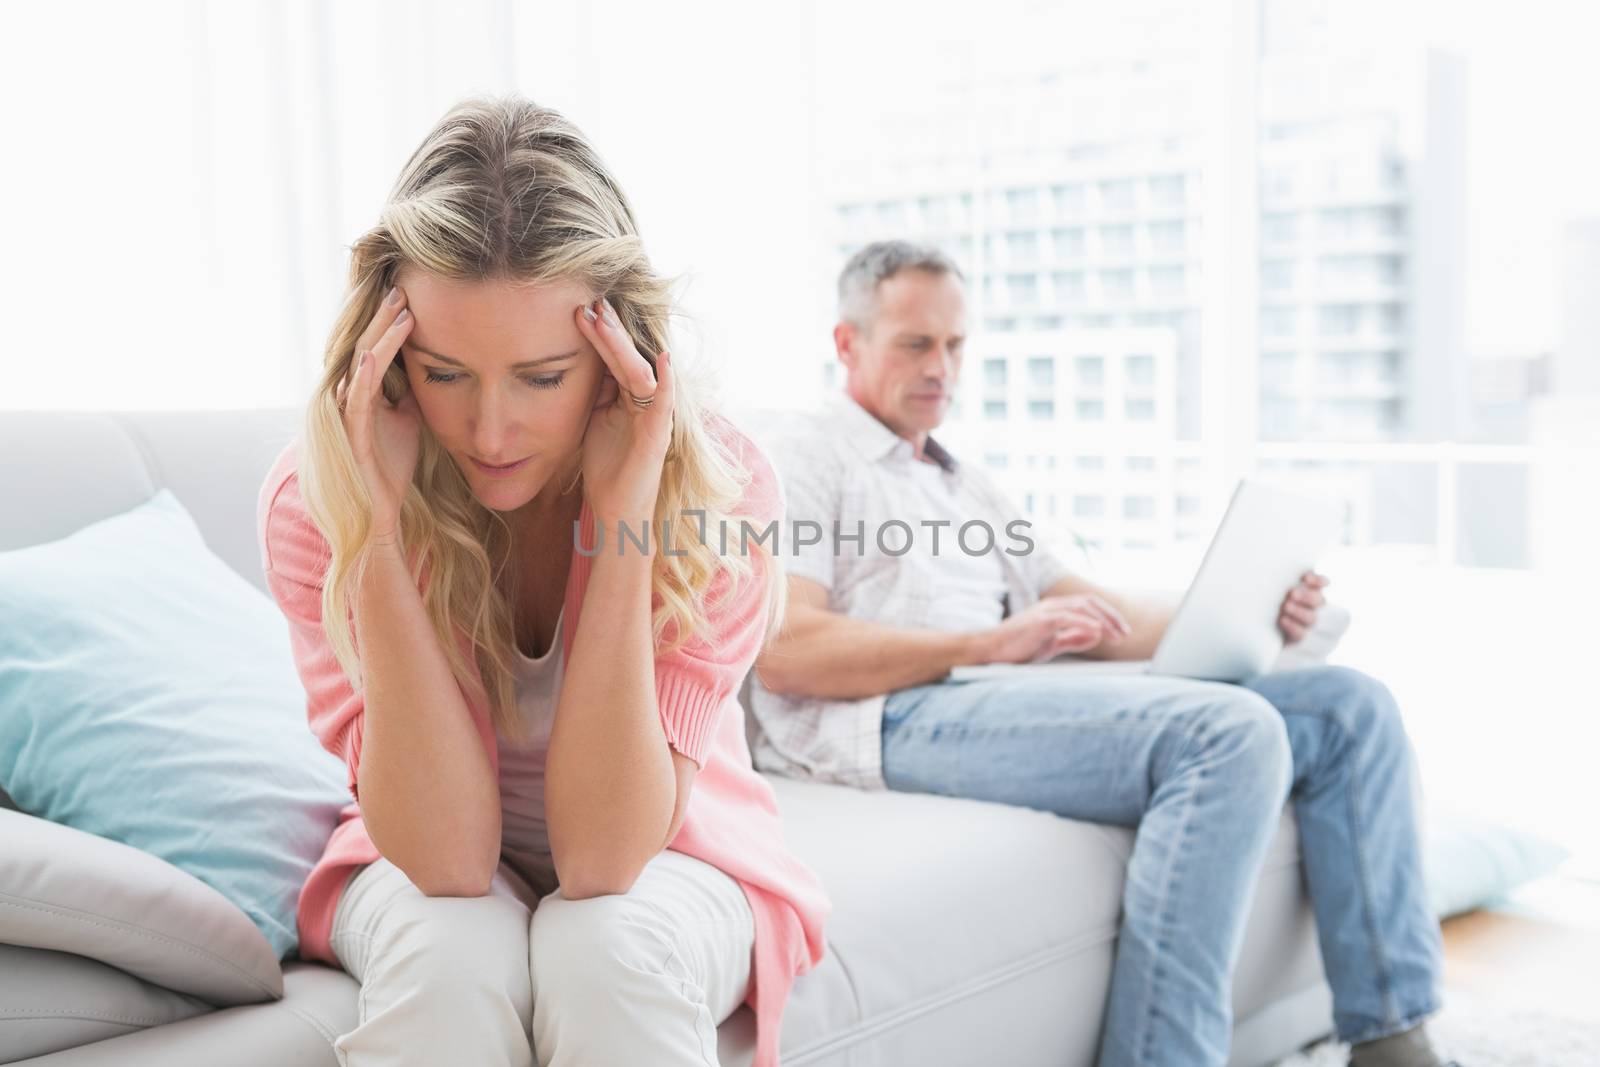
point(968, 931)
point(148, 696)
point(68, 891)
point(51, 1001)
point(319, 1004)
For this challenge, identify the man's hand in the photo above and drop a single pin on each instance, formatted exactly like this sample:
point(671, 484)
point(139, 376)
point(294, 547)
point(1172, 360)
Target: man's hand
point(1056, 624)
point(1299, 612)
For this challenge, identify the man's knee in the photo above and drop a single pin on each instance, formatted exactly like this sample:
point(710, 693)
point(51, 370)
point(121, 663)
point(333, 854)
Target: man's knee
point(1243, 728)
point(1363, 706)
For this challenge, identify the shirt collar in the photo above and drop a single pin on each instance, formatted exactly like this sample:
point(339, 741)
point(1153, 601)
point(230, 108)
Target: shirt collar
point(873, 439)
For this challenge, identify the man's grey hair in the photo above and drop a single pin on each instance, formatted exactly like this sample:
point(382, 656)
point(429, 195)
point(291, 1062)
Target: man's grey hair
point(877, 263)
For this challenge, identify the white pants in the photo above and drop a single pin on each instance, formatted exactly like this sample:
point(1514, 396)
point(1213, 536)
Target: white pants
point(510, 978)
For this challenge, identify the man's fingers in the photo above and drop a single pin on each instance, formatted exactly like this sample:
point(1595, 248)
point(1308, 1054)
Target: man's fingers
point(1111, 614)
point(1300, 614)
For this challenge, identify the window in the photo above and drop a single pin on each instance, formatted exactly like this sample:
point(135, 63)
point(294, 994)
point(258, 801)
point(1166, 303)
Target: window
point(1138, 507)
point(1167, 190)
point(1022, 205)
point(1042, 410)
point(1069, 285)
point(1069, 243)
point(1140, 463)
point(1280, 228)
point(1089, 410)
point(1090, 370)
point(1338, 320)
point(1277, 322)
point(1167, 236)
point(1089, 463)
point(1139, 370)
point(1041, 370)
point(1085, 506)
point(1167, 281)
point(1068, 199)
point(1117, 284)
point(1022, 246)
point(1277, 275)
point(1116, 241)
point(994, 410)
point(1139, 409)
point(994, 372)
point(1117, 195)
point(1023, 289)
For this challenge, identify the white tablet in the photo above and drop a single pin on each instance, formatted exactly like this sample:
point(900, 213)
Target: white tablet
point(1226, 627)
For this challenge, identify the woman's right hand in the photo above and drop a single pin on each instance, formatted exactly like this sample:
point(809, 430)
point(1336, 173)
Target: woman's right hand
point(385, 438)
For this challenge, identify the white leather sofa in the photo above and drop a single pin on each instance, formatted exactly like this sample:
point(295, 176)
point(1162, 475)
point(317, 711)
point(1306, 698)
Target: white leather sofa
point(964, 932)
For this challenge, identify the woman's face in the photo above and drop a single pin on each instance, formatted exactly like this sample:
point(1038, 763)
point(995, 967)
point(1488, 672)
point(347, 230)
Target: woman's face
point(502, 376)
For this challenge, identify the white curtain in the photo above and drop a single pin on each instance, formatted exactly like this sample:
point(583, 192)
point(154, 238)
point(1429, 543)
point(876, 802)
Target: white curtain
point(184, 178)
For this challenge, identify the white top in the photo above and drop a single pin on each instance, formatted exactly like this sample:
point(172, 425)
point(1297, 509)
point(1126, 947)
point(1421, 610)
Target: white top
point(842, 466)
point(524, 840)
point(969, 590)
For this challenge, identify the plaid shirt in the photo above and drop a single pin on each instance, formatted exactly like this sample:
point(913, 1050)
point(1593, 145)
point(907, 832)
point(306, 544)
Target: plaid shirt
point(845, 467)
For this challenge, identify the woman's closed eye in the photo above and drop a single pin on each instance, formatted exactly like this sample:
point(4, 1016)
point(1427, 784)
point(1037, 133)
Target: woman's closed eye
point(540, 381)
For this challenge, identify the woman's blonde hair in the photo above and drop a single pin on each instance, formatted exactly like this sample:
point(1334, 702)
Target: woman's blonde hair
point(503, 190)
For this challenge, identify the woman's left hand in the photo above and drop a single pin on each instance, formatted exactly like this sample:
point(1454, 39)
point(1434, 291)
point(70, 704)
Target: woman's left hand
point(626, 440)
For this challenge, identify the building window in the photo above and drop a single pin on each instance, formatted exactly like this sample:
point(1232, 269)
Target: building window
point(1089, 410)
point(1041, 370)
point(994, 410)
point(1139, 409)
point(994, 372)
point(1140, 463)
point(1068, 199)
point(1069, 243)
point(1167, 190)
point(1042, 410)
point(1085, 506)
point(1166, 236)
point(1277, 321)
point(1089, 463)
point(1068, 284)
point(1117, 284)
point(1022, 204)
point(1091, 370)
point(1023, 289)
point(1022, 246)
point(1138, 507)
point(1117, 195)
point(1116, 241)
point(1139, 370)
point(1280, 229)
point(1277, 275)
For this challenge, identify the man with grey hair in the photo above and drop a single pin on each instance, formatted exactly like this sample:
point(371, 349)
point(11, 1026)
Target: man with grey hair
point(856, 690)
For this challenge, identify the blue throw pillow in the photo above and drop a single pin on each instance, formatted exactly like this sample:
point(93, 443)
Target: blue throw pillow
point(1472, 862)
point(148, 695)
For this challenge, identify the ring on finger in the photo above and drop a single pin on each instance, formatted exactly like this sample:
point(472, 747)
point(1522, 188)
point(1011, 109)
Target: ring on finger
point(642, 401)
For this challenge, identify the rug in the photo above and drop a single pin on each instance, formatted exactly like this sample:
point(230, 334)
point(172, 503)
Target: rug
point(1477, 1032)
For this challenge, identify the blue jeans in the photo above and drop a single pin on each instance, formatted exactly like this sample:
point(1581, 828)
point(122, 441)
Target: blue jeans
point(1203, 769)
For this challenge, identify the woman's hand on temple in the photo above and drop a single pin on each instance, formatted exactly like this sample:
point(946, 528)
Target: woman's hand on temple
point(385, 438)
point(630, 427)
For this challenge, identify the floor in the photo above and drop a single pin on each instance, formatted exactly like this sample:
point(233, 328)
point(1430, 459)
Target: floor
point(1525, 962)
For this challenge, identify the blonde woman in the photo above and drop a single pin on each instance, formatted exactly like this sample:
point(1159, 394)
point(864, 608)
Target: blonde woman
point(558, 851)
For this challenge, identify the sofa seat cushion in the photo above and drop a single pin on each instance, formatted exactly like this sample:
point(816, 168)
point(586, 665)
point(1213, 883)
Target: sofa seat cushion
point(963, 929)
point(319, 1004)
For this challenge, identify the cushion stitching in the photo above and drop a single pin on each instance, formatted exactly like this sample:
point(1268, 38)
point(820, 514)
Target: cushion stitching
point(980, 984)
point(8, 900)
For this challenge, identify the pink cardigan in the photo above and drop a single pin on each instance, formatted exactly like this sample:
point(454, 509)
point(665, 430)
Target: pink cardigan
point(732, 821)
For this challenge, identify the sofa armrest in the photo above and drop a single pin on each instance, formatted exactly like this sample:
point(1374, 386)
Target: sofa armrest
point(70, 891)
